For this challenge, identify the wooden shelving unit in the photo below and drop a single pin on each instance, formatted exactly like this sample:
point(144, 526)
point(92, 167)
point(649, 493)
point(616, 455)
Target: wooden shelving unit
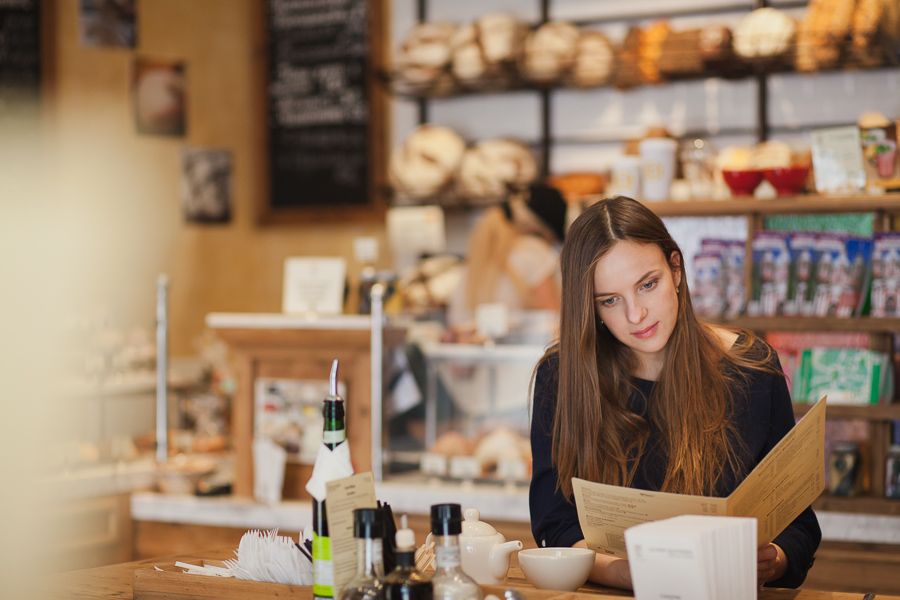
point(860, 324)
point(866, 505)
point(885, 209)
point(808, 204)
point(879, 417)
point(868, 412)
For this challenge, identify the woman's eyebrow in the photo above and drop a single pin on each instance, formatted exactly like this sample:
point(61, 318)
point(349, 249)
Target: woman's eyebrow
point(642, 278)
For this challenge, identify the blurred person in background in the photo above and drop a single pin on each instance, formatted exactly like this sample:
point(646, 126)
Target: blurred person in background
point(512, 258)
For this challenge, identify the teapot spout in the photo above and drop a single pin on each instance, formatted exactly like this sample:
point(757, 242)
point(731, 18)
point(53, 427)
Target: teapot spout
point(499, 559)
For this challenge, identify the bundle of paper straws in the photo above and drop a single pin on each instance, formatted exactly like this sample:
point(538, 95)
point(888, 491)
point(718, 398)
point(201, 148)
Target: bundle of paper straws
point(264, 556)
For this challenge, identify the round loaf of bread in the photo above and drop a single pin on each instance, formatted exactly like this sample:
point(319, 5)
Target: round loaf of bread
point(714, 43)
point(491, 168)
point(483, 51)
point(501, 36)
point(425, 53)
point(549, 52)
point(764, 33)
point(426, 162)
point(594, 60)
point(468, 62)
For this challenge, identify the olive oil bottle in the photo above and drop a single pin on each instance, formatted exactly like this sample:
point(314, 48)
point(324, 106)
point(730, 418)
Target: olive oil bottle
point(334, 433)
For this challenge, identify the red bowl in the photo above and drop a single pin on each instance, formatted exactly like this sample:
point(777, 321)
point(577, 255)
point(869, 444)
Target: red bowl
point(787, 181)
point(742, 183)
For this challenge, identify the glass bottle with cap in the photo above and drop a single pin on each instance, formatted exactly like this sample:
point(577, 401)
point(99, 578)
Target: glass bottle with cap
point(406, 582)
point(368, 583)
point(449, 581)
point(334, 433)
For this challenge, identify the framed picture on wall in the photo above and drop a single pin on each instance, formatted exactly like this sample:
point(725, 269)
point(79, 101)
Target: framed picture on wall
point(323, 112)
point(107, 23)
point(158, 95)
point(206, 185)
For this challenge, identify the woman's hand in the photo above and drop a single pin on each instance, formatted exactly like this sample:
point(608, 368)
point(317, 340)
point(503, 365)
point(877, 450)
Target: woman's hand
point(771, 564)
point(609, 570)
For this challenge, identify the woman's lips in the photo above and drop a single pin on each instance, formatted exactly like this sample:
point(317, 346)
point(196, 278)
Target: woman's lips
point(645, 333)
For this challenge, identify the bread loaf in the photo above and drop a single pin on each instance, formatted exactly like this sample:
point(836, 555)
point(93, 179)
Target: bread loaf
point(764, 33)
point(424, 56)
point(594, 60)
point(650, 51)
point(501, 36)
point(427, 161)
point(627, 74)
point(875, 31)
point(484, 52)
point(549, 52)
point(681, 55)
point(492, 168)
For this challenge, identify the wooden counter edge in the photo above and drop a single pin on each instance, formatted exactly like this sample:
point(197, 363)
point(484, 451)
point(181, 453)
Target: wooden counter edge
point(171, 584)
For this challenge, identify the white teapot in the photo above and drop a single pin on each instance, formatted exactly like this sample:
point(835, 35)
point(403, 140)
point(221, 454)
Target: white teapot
point(484, 552)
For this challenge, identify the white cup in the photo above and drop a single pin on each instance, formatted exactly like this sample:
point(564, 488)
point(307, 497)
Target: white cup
point(657, 167)
point(626, 177)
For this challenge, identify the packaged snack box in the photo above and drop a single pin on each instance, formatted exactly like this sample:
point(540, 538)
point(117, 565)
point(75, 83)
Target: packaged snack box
point(878, 137)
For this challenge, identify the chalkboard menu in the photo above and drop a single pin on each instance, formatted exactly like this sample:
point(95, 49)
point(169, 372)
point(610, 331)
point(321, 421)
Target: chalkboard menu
point(317, 105)
point(20, 49)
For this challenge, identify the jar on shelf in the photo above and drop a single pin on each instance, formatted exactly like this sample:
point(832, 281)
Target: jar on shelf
point(843, 469)
point(892, 473)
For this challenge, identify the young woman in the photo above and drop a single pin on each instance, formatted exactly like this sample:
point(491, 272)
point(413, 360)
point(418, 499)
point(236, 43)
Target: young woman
point(638, 392)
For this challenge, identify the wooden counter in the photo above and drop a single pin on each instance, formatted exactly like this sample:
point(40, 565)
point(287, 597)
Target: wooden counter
point(282, 346)
point(116, 581)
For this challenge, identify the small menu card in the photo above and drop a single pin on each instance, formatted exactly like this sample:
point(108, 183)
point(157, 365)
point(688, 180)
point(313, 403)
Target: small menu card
point(838, 160)
point(693, 556)
point(345, 495)
point(313, 284)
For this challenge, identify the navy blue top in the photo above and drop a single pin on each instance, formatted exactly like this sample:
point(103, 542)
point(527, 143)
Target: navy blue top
point(763, 413)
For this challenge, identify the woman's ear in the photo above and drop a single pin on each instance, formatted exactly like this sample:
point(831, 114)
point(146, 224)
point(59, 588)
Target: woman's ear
point(675, 265)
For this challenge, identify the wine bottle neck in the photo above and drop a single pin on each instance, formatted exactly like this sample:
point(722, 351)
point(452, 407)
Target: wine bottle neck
point(334, 429)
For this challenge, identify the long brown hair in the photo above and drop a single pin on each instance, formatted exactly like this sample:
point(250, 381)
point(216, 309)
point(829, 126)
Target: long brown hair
point(595, 436)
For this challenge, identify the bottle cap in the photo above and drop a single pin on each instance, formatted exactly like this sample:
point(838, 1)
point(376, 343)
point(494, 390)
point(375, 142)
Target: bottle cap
point(367, 523)
point(446, 519)
point(405, 537)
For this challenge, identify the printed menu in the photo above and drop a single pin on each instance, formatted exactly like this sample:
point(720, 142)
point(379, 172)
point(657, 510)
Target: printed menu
point(781, 486)
point(345, 495)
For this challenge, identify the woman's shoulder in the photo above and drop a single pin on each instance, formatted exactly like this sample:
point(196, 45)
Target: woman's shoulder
point(752, 351)
point(546, 386)
point(726, 337)
point(548, 366)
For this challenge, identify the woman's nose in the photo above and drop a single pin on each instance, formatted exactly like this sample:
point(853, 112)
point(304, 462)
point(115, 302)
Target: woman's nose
point(636, 312)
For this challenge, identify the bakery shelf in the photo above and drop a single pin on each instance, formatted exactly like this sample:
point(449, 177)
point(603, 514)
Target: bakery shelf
point(867, 412)
point(859, 505)
point(852, 324)
point(812, 203)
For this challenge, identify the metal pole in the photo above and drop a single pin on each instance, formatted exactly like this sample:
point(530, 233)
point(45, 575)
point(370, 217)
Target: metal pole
point(377, 350)
point(162, 442)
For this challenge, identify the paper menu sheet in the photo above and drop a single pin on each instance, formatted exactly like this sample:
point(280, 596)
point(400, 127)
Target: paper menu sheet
point(345, 495)
point(781, 486)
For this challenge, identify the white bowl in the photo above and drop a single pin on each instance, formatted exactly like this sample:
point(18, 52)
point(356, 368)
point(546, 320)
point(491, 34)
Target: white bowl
point(563, 569)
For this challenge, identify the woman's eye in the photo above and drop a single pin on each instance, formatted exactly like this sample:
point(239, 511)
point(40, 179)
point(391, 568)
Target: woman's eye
point(608, 302)
point(650, 284)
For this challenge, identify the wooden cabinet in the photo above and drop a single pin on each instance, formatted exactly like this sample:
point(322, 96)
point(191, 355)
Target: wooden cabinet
point(281, 346)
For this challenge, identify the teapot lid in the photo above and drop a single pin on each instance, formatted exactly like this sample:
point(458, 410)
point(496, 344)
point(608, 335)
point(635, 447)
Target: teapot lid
point(472, 526)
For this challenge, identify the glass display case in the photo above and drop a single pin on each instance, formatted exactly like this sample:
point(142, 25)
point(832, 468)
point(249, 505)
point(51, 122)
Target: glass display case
point(463, 413)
